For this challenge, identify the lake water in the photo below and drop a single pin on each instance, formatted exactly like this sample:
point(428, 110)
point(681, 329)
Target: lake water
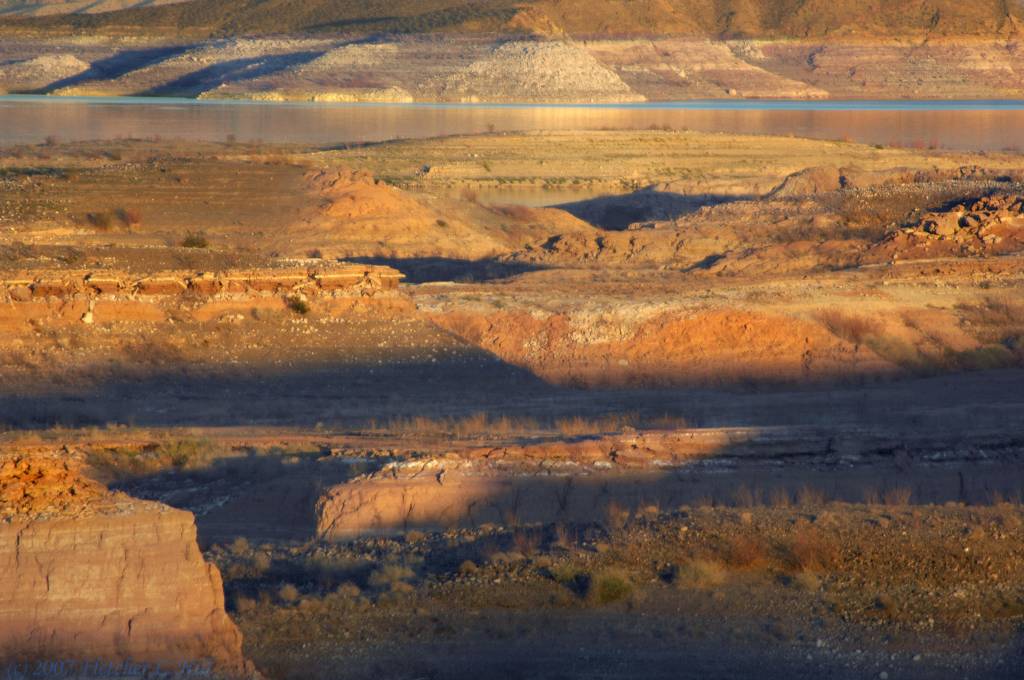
point(974, 125)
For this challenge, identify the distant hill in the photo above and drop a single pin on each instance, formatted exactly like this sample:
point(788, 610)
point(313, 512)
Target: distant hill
point(862, 19)
point(38, 8)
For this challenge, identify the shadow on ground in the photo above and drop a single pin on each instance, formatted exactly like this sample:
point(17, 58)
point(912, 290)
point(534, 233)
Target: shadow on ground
point(232, 71)
point(433, 269)
point(647, 205)
point(118, 65)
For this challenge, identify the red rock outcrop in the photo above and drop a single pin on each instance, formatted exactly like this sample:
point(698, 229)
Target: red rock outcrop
point(993, 225)
point(93, 575)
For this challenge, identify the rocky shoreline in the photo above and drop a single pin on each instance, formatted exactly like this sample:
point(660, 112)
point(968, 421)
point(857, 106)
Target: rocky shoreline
point(512, 69)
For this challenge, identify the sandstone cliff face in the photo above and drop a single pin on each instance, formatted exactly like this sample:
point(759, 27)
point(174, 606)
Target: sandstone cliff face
point(92, 575)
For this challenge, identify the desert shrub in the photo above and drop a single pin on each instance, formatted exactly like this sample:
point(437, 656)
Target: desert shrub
point(901, 353)
point(809, 551)
point(260, 564)
point(526, 541)
point(616, 516)
point(240, 546)
point(244, 604)
point(745, 497)
point(810, 496)
point(745, 551)
point(519, 213)
point(101, 221)
point(288, 593)
point(195, 239)
point(610, 586)
point(575, 579)
point(807, 580)
point(899, 495)
point(468, 568)
point(186, 453)
point(131, 217)
point(564, 536)
point(571, 427)
point(699, 573)
point(855, 329)
point(984, 358)
point(390, 576)
point(348, 590)
point(992, 311)
point(297, 304)
point(781, 498)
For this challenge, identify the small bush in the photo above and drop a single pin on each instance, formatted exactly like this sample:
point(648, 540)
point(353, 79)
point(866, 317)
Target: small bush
point(564, 537)
point(240, 546)
point(899, 495)
point(389, 575)
point(810, 496)
point(348, 590)
point(781, 498)
point(468, 568)
point(808, 580)
point(617, 516)
point(608, 587)
point(745, 497)
point(131, 217)
point(575, 579)
point(525, 541)
point(700, 574)
point(244, 604)
point(260, 563)
point(297, 304)
point(288, 593)
point(745, 551)
point(195, 239)
point(101, 221)
point(810, 552)
point(855, 329)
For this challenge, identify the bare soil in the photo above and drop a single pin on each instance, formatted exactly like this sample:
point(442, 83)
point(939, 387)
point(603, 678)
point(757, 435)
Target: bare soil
point(758, 413)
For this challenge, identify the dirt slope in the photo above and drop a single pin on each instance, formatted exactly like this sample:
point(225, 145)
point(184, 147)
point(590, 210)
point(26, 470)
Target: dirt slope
point(37, 8)
point(736, 18)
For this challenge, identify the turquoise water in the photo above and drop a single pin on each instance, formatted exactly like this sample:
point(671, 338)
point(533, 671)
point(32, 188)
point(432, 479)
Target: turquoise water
point(988, 125)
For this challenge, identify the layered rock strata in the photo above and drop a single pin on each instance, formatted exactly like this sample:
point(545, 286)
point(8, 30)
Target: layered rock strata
point(95, 576)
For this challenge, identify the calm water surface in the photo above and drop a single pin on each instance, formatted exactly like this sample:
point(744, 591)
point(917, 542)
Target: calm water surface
point(975, 125)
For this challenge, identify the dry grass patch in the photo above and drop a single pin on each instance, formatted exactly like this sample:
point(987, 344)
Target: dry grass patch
point(701, 574)
point(849, 327)
point(810, 551)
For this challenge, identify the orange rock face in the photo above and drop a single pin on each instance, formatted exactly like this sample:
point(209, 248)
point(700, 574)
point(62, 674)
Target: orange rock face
point(92, 575)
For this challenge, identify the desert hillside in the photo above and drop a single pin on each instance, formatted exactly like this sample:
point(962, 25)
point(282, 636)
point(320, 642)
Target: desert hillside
point(579, 18)
point(48, 7)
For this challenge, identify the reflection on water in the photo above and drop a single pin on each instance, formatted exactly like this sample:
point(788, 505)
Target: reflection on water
point(921, 124)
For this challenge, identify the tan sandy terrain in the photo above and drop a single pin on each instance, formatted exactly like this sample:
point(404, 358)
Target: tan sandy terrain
point(742, 394)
